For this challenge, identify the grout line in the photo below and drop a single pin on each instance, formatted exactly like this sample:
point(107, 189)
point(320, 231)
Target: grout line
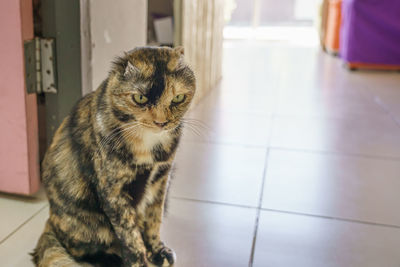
point(382, 105)
point(253, 245)
point(332, 218)
point(224, 143)
point(388, 158)
point(288, 212)
point(24, 223)
point(214, 202)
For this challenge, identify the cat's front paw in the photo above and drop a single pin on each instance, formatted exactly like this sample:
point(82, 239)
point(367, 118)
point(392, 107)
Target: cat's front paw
point(163, 257)
point(137, 264)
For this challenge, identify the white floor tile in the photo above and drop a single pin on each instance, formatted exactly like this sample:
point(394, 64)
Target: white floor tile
point(14, 252)
point(286, 240)
point(16, 210)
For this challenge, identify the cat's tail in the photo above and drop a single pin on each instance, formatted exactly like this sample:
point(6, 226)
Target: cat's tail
point(50, 252)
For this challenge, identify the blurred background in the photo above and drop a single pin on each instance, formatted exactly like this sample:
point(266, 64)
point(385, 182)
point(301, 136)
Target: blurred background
point(293, 155)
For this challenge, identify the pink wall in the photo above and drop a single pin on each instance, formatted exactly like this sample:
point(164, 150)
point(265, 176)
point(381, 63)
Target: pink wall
point(19, 167)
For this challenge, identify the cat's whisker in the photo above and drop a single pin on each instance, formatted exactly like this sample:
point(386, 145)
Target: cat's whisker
point(121, 138)
point(203, 128)
point(193, 131)
point(199, 122)
point(131, 133)
point(110, 135)
point(132, 130)
point(105, 140)
point(204, 132)
point(192, 127)
point(196, 121)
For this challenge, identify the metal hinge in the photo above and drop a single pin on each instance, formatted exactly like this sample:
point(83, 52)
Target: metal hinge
point(40, 67)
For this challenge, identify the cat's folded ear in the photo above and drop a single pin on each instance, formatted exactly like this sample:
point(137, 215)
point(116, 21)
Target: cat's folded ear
point(130, 70)
point(177, 60)
point(179, 50)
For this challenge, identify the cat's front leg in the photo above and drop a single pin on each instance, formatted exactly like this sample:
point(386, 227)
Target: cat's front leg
point(157, 252)
point(123, 218)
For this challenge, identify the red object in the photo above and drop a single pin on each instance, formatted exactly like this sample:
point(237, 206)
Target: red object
point(371, 66)
point(333, 26)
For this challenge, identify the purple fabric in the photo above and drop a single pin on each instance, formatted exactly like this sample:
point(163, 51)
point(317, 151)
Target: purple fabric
point(370, 31)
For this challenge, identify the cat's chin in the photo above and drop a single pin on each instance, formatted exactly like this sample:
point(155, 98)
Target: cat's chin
point(158, 130)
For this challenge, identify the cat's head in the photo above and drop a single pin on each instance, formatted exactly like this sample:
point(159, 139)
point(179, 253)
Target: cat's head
point(151, 87)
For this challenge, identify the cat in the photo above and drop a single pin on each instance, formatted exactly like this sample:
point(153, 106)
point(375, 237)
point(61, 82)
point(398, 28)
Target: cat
point(106, 171)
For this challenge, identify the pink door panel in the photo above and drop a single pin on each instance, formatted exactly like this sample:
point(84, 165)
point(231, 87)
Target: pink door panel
point(19, 159)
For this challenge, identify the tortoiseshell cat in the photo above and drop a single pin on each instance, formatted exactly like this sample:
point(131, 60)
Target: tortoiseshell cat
point(106, 171)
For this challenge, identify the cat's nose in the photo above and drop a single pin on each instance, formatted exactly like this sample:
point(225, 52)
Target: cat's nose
point(161, 124)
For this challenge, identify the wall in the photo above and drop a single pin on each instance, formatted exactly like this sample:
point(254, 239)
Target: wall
point(202, 26)
point(107, 29)
point(159, 7)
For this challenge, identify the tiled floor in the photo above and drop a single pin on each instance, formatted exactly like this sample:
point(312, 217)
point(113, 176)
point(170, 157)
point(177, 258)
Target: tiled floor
point(296, 162)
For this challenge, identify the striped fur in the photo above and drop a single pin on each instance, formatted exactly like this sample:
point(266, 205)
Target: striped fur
point(106, 170)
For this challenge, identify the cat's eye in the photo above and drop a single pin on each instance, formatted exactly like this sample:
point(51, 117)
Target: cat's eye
point(140, 99)
point(178, 99)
